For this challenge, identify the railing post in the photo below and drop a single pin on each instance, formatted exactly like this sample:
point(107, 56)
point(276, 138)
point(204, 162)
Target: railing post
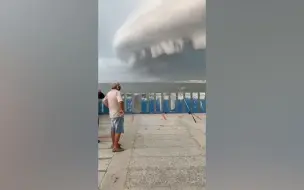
point(125, 102)
point(154, 103)
point(161, 103)
point(132, 103)
point(183, 103)
point(169, 103)
point(195, 106)
point(205, 102)
point(191, 101)
point(148, 102)
point(199, 102)
point(176, 102)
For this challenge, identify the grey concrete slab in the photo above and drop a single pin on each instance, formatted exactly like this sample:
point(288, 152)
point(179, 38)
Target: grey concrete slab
point(104, 124)
point(164, 143)
point(145, 163)
point(105, 153)
point(103, 132)
point(103, 165)
point(172, 151)
point(116, 175)
point(163, 136)
point(199, 137)
point(162, 127)
point(163, 124)
point(164, 177)
point(200, 125)
point(155, 120)
point(160, 155)
point(197, 132)
point(100, 177)
point(104, 145)
point(159, 123)
point(149, 188)
point(201, 187)
point(162, 132)
point(105, 138)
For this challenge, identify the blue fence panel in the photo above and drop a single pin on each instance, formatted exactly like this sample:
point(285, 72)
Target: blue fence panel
point(105, 109)
point(189, 103)
point(166, 107)
point(195, 108)
point(143, 106)
point(173, 110)
point(99, 107)
point(195, 105)
point(151, 106)
point(179, 106)
point(157, 109)
point(129, 105)
point(203, 106)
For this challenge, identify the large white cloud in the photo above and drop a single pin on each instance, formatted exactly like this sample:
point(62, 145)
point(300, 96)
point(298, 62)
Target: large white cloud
point(161, 27)
point(158, 34)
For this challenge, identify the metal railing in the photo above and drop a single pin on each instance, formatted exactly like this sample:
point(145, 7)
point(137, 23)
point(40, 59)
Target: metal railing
point(155, 103)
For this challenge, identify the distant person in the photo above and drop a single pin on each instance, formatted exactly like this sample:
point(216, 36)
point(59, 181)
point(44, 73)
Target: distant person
point(100, 97)
point(114, 102)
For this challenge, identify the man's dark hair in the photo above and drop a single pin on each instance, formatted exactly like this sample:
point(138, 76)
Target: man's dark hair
point(100, 95)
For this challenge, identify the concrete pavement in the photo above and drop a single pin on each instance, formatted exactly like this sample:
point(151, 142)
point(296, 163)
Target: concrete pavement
point(163, 152)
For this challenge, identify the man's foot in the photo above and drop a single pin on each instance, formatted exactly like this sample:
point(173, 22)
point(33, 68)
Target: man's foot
point(118, 149)
point(119, 145)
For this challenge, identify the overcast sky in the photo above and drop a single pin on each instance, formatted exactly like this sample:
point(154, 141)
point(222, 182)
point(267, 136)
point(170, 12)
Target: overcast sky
point(112, 14)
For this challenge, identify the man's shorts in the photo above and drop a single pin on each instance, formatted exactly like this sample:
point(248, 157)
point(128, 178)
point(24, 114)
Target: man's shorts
point(117, 125)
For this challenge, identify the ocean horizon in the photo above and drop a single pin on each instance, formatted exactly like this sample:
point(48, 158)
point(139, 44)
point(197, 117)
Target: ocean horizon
point(157, 87)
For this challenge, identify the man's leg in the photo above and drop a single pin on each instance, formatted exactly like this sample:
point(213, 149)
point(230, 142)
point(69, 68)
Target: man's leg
point(119, 129)
point(113, 136)
point(113, 133)
point(117, 138)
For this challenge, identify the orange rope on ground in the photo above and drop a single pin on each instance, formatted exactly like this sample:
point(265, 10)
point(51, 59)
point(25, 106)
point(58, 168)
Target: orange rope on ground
point(198, 117)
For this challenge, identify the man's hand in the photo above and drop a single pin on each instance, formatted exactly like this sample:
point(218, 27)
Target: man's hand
point(122, 108)
point(105, 102)
point(121, 112)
